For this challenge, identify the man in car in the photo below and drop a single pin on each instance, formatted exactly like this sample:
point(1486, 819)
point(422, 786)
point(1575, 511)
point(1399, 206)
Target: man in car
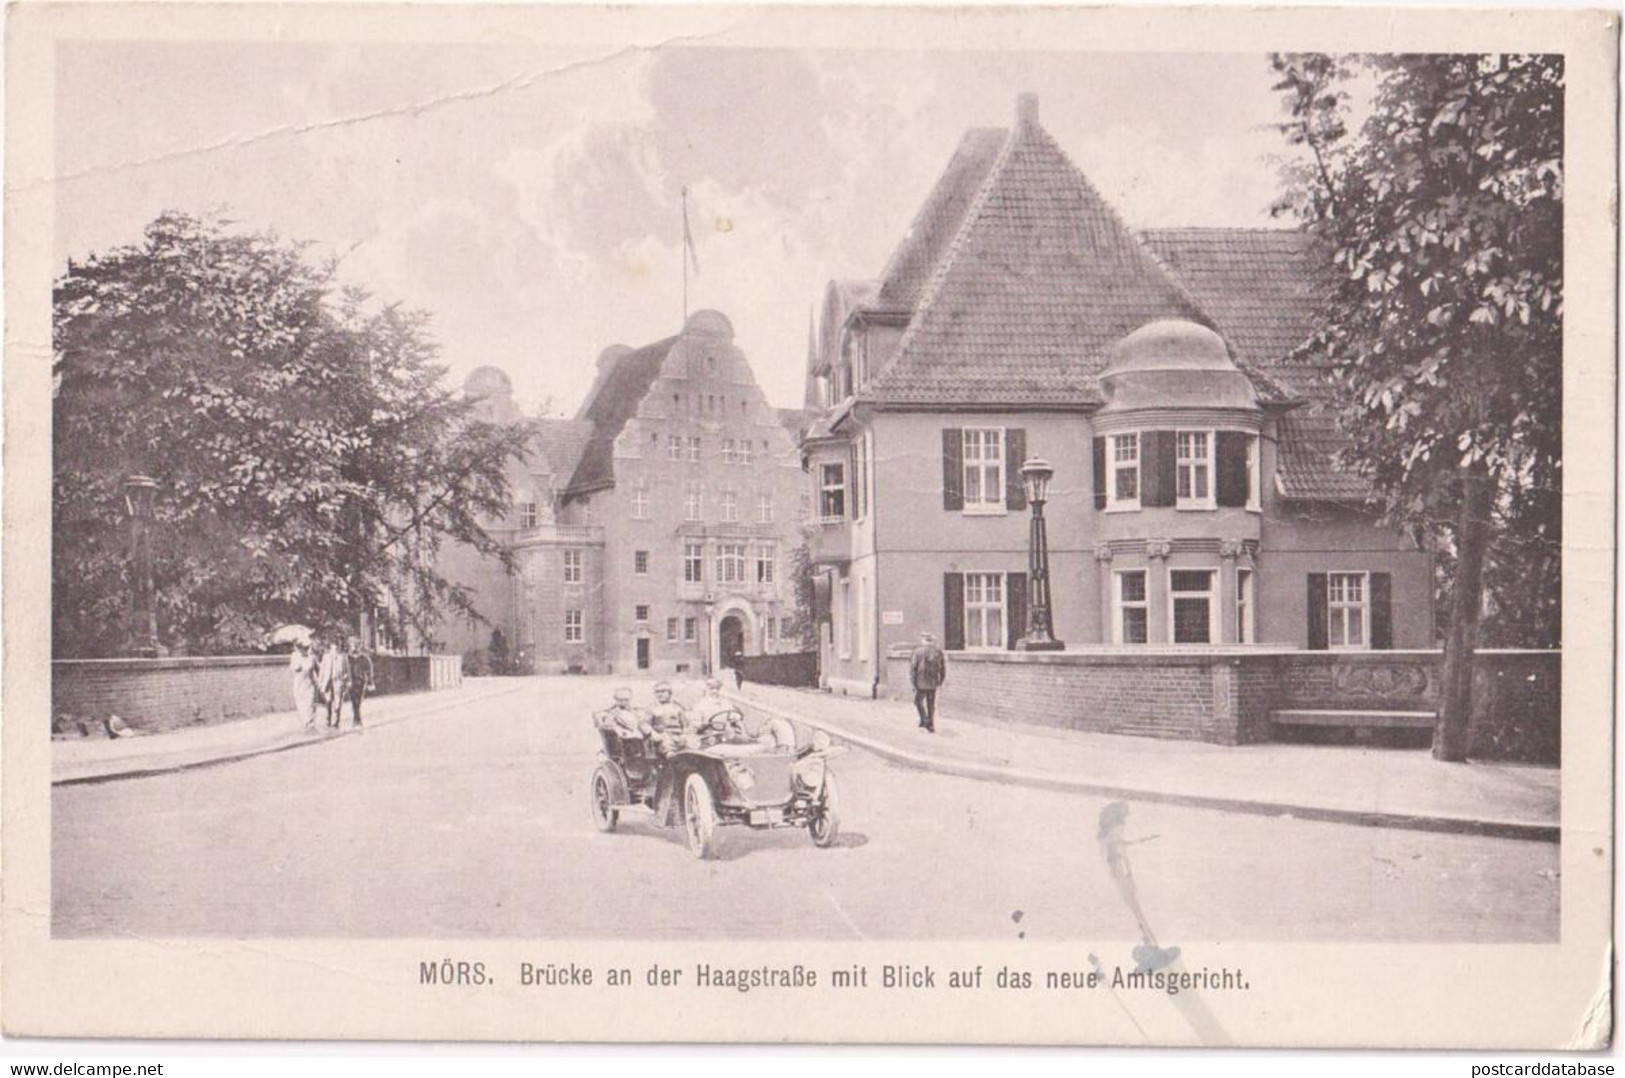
point(621, 717)
point(668, 721)
point(715, 716)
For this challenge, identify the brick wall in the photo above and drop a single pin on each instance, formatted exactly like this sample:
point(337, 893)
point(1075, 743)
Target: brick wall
point(1226, 695)
point(155, 695)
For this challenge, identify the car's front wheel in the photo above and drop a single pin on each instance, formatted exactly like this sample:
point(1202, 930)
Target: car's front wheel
point(700, 818)
point(826, 822)
point(604, 815)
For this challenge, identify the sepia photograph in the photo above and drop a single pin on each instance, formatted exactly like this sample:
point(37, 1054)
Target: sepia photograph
point(660, 507)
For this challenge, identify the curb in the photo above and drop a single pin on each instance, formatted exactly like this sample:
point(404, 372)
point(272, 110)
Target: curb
point(1460, 825)
point(136, 770)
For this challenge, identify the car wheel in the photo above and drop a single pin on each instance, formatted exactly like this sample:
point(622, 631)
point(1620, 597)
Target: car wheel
point(604, 817)
point(827, 823)
point(699, 818)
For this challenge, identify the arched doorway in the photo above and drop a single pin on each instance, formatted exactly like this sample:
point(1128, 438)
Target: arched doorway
point(730, 639)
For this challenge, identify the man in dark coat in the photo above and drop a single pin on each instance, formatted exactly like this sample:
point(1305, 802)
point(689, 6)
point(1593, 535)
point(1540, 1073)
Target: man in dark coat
point(927, 670)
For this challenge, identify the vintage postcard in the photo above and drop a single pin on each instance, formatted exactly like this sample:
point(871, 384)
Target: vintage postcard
point(971, 525)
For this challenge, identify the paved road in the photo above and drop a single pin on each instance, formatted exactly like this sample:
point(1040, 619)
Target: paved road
point(476, 825)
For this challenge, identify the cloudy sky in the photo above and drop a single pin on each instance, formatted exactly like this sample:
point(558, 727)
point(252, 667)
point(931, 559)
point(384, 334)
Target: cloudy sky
point(530, 197)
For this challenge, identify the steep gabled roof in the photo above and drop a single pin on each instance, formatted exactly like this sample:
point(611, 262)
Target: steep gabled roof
point(1041, 277)
point(795, 420)
point(620, 391)
point(560, 444)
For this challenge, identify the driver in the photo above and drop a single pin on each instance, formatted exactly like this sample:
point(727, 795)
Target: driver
point(667, 721)
point(715, 716)
point(621, 717)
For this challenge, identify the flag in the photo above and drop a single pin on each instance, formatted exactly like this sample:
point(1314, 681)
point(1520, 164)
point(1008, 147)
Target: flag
point(688, 237)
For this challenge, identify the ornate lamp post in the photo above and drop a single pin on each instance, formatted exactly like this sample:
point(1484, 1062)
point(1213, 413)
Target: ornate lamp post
point(1035, 475)
point(710, 633)
point(138, 497)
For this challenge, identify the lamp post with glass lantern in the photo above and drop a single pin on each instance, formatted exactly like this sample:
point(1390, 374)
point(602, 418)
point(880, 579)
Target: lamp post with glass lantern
point(1035, 476)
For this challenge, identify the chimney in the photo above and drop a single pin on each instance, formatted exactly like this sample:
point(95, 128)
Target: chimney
point(1027, 111)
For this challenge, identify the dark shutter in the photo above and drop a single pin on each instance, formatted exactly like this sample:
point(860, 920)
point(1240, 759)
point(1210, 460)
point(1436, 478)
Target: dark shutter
point(854, 482)
point(1382, 611)
point(953, 469)
point(1230, 484)
point(1015, 455)
point(953, 611)
point(1015, 590)
point(1099, 450)
point(1157, 468)
point(1317, 611)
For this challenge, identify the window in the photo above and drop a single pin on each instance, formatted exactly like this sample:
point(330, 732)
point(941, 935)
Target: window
point(832, 491)
point(1124, 491)
point(745, 449)
point(1190, 601)
point(984, 611)
point(574, 627)
point(527, 514)
point(772, 631)
point(730, 563)
point(640, 562)
point(572, 566)
point(766, 564)
point(640, 612)
point(729, 454)
point(764, 508)
point(693, 563)
point(1244, 604)
point(688, 630)
point(730, 506)
point(694, 449)
point(984, 469)
point(692, 502)
point(1194, 486)
point(674, 447)
point(1346, 610)
point(671, 629)
point(1129, 611)
point(640, 504)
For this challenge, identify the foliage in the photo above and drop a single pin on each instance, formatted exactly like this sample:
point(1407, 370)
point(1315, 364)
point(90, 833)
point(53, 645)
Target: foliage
point(309, 461)
point(1440, 219)
point(804, 575)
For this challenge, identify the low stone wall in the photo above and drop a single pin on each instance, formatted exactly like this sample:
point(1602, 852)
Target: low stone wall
point(154, 695)
point(1226, 695)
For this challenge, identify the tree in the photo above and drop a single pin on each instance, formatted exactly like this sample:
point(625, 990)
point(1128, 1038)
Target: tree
point(804, 575)
point(1440, 221)
point(309, 461)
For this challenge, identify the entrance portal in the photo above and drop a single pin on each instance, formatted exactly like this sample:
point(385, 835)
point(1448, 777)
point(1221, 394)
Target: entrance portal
point(643, 653)
point(730, 639)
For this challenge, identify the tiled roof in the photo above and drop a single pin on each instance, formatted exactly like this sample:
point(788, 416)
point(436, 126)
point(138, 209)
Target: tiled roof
point(1306, 464)
point(620, 391)
point(795, 420)
point(559, 445)
point(1040, 279)
point(909, 270)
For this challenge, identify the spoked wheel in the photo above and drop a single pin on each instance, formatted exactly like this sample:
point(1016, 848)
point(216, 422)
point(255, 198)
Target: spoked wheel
point(699, 818)
point(604, 817)
point(826, 825)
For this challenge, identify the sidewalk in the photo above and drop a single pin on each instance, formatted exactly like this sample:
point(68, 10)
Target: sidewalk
point(104, 759)
point(1369, 786)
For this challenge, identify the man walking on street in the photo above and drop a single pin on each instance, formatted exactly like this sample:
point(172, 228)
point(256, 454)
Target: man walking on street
point(927, 670)
point(361, 675)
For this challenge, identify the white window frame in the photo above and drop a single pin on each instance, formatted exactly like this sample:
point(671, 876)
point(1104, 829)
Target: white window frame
point(1342, 606)
point(1212, 594)
point(1247, 605)
point(640, 612)
point(529, 515)
point(690, 630)
point(729, 454)
point(674, 447)
point(1255, 475)
point(983, 606)
point(826, 488)
point(1116, 462)
point(730, 563)
point(764, 508)
point(1187, 466)
point(694, 449)
point(746, 450)
point(767, 560)
point(693, 563)
point(1119, 604)
point(730, 506)
point(640, 504)
point(671, 630)
point(575, 626)
point(693, 503)
point(574, 566)
point(640, 563)
point(988, 463)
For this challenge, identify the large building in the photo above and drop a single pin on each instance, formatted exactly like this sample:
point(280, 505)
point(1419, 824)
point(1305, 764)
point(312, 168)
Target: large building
point(655, 530)
point(1196, 500)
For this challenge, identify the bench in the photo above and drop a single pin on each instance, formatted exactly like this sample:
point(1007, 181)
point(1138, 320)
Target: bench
point(1382, 720)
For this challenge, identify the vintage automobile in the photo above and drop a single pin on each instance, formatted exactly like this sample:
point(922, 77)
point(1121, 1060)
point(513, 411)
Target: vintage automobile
point(718, 778)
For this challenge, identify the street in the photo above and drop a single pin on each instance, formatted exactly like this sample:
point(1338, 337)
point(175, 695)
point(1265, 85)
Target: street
point(476, 825)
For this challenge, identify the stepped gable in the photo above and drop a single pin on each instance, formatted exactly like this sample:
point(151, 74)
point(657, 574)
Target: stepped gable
point(621, 388)
point(1041, 278)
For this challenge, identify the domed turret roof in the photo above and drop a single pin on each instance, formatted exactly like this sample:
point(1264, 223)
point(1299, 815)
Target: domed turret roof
point(488, 382)
point(711, 324)
point(1172, 363)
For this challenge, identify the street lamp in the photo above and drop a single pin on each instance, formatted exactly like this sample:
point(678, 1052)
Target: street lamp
point(710, 633)
point(138, 497)
point(1035, 476)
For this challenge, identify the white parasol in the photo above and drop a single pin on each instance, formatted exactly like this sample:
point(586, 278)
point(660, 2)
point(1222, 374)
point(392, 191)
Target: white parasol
point(291, 634)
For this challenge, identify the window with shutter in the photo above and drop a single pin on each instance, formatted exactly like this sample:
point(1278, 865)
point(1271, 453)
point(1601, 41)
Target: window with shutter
point(1158, 469)
point(1233, 467)
point(1015, 586)
point(1097, 450)
point(953, 467)
point(1382, 611)
point(1015, 455)
point(1317, 611)
point(953, 611)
